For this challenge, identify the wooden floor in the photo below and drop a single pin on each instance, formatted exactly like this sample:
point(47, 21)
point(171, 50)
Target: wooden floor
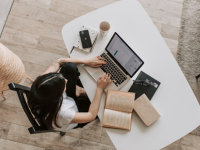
point(33, 32)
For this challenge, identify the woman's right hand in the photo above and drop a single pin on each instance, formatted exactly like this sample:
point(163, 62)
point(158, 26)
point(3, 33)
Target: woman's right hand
point(104, 81)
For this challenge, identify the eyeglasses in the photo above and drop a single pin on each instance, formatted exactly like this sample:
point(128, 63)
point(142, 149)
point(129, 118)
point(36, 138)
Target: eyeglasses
point(139, 82)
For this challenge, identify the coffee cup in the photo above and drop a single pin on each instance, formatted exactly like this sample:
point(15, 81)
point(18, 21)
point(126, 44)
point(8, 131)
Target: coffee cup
point(104, 28)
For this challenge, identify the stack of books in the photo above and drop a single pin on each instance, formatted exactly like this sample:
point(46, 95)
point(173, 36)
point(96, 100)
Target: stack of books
point(119, 105)
point(93, 36)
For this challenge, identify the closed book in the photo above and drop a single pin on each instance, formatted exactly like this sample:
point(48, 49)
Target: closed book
point(93, 36)
point(145, 110)
point(149, 91)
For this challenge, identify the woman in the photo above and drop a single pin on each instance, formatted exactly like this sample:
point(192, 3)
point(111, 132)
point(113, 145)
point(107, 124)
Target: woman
point(58, 100)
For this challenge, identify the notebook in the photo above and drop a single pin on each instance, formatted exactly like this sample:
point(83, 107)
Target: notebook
point(148, 90)
point(93, 36)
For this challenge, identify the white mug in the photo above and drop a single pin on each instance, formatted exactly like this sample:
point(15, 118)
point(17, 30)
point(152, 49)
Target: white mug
point(104, 28)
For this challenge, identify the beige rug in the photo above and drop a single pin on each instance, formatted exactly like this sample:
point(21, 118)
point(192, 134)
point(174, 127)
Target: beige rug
point(5, 6)
point(188, 56)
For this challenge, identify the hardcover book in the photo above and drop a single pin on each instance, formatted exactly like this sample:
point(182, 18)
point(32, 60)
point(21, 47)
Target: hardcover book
point(145, 110)
point(118, 109)
point(148, 90)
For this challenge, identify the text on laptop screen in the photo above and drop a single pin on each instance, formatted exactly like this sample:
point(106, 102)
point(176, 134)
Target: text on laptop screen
point(124, 55)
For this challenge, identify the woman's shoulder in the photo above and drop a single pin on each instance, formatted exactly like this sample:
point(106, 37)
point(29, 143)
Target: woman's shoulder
point(67, 111)
point(68, 105)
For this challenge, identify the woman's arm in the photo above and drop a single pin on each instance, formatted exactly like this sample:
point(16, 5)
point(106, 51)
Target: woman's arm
point(55, 66)
point(102, 83)
point(93, 62)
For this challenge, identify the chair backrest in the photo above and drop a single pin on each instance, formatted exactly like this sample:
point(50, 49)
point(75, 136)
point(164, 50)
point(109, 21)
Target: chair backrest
point(37, 126)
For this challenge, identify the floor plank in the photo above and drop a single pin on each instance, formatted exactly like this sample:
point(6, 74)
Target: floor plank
point(36, 3)
point(163, 17)
point(52, 46)
point(34, 27)
point(10, 145)
point(13, 114)
point(69, 8)
point(158, 26)
point(41, 15)
point(34, 56)
point(20, 134)
point(170, 32)
point(89, 145)
point(164, 6)
point(4, 128)
point(14, 37)
point(11, 99)
point(93, 3)
point(33, 70)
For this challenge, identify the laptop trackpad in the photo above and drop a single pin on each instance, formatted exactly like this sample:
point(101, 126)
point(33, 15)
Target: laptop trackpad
point(98, 74)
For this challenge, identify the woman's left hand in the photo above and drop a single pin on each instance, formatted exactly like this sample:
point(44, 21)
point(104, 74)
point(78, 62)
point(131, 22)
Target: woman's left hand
point(95, 62)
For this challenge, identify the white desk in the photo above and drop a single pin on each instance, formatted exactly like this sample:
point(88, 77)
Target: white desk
point(174, 99)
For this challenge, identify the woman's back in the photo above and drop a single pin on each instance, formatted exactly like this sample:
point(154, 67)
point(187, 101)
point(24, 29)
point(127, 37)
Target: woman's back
point(66, 114)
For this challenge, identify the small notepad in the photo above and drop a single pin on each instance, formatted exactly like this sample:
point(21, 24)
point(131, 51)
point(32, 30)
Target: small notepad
point(93, 36)
point(145, 110)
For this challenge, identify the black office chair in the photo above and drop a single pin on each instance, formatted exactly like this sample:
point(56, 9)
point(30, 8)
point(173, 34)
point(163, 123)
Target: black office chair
point(197, 76)
point(37, 126)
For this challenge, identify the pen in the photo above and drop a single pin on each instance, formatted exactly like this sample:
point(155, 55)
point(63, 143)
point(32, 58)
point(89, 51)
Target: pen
point(72, 49)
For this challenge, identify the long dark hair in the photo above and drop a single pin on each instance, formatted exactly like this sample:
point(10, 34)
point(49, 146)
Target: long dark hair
point(45, 98)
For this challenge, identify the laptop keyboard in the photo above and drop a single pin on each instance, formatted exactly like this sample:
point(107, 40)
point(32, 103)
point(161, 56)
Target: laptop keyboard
point(111, 68)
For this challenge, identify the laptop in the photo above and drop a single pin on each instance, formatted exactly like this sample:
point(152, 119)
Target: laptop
point(121, 62)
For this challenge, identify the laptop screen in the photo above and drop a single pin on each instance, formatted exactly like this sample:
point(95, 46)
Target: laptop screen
point(124, 55)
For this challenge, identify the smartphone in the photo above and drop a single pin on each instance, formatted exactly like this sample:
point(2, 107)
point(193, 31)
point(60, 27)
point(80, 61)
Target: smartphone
point(85, 39)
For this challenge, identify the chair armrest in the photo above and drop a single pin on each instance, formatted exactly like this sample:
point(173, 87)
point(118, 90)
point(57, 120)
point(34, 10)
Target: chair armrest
point(15, 87)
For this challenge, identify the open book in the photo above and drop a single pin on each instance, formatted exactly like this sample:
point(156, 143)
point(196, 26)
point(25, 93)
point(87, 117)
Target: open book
point(118, 109)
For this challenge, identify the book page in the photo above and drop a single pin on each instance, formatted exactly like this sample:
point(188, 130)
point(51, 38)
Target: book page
point(121, 101)
point(116, 119)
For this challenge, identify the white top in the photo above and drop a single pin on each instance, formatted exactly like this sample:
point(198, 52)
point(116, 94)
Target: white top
point(66, 114)
point(174, 99)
